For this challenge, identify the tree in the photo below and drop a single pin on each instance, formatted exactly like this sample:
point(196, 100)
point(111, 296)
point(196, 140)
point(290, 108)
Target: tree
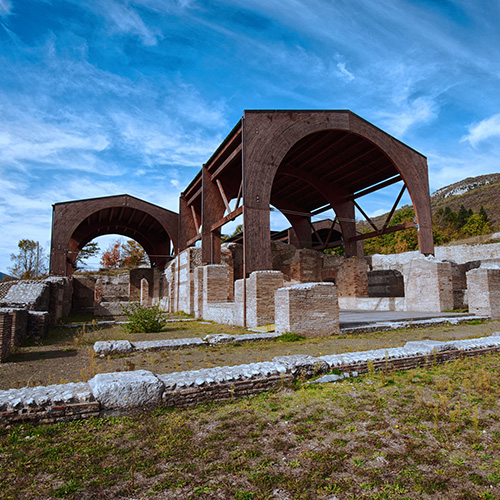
point(133, 255)
point(111, 258)
point(128, 255)
point(463, 215)
point(89, 250)
point(483, 214)
point(30, 261)
point(476, 225)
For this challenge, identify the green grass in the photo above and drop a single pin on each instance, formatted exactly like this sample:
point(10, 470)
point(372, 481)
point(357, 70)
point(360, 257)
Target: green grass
point(421, 434)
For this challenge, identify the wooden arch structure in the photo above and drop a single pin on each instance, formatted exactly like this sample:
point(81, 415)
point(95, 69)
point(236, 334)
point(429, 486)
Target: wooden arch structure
point(302, 163)
point(76, 223)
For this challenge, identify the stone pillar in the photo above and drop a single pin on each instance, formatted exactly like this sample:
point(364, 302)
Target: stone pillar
point(310, 309)
point(145, 302)
point(98, 291)
point(483, 292)
point(5, 335)
point(260, 289)
point(198, 292)
point(352, 278)
point(428, 285)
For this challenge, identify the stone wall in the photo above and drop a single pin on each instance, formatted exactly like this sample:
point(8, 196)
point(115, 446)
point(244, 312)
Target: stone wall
point(154, 277)
point(83, 294)
point(179, 280)
point(385, 283)
point(460, 254)
point(31, 295)
point(310, 309)
point(428, 285)
point(115, 393)
point(483, 286)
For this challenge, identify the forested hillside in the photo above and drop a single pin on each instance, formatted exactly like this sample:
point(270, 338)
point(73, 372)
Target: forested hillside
point(461, 210)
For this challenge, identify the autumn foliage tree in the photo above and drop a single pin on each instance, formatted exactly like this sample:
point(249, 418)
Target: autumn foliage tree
point(128, 255)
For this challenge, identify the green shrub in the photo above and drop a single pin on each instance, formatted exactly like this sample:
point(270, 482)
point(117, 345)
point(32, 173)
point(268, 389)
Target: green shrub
point(143, 319)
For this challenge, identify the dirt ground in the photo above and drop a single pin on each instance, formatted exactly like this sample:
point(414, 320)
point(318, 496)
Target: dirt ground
point(67, 355)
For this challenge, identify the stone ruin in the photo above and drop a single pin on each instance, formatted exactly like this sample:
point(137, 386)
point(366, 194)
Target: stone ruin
point(305, 290)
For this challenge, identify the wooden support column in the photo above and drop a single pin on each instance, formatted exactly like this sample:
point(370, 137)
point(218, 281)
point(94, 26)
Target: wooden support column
point(212, 210)
point(187, 228)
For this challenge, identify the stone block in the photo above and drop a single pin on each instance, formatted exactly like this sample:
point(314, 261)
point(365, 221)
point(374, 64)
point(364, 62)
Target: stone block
point(483, 292)
point(310, 309)
point(32, 295)
point(428, 285)
point(126, 390)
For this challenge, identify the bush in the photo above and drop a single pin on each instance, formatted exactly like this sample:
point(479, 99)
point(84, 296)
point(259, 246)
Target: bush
point(143, 319)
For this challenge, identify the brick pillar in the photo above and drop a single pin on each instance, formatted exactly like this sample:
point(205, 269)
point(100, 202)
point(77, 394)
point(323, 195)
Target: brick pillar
point(260, 289)
point(216, 283)
point(5, 335)
point(483, 292)
point(310, 309)
point(352, 278)
point(428, 285)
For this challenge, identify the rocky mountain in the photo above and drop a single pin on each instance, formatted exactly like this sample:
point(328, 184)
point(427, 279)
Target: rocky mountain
point(472, 193)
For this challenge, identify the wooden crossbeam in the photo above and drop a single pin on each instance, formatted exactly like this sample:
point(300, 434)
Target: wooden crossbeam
point(226, 219)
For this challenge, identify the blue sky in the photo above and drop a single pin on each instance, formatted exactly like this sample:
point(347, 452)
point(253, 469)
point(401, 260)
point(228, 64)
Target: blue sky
point(108, 97)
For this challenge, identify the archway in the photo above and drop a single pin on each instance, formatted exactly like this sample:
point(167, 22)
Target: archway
point(76, 223)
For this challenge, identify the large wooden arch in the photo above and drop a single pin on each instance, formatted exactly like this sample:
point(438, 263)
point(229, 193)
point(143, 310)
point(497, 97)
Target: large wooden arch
point(301, 162)
point(76, 223)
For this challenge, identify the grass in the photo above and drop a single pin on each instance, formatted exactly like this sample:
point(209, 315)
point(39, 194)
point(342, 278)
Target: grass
point(67, 355)
point(421, 434)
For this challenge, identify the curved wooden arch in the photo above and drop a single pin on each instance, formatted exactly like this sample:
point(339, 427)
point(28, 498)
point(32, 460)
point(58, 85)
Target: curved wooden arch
point(76, 223)
point(269, 136)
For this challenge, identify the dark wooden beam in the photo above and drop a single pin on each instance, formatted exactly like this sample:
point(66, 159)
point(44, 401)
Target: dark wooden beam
point(229, 217)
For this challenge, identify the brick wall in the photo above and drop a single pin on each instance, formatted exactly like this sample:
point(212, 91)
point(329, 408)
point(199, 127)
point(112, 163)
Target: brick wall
point(308, 309)
point(352, 278)
point(261, 287)
point(5, 335)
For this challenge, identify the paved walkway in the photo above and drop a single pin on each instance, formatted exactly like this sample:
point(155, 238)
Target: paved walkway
point(350, 319)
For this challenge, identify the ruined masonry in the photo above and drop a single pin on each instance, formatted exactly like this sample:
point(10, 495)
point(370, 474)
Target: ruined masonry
point(116, 393)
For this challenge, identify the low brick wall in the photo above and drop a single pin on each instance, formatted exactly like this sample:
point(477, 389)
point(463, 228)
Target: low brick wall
point(5, 335)
point(132, 391)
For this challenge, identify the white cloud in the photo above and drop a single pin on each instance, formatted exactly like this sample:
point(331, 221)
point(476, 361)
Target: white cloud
point(483, 130)
point(411, 113)
point(5, 7)
point(344, 71)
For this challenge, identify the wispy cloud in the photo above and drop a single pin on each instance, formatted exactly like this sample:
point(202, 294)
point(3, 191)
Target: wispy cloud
point(408, 114)
point(5, 7)
point(485, 129)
